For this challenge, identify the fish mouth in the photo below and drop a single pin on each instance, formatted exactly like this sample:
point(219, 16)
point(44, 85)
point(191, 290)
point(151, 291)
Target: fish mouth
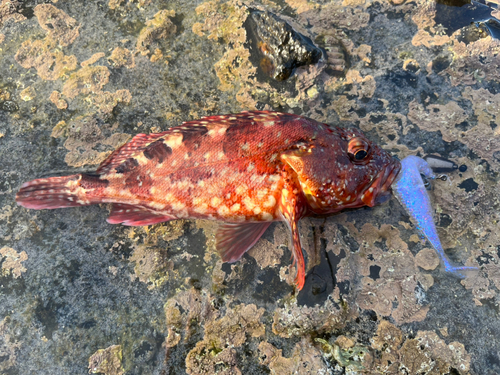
point(380, 190)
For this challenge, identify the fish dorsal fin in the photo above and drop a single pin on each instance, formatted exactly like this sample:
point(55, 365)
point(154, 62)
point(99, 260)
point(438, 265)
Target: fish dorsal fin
point(241, 118)
point(127, 151)
point(135, 216)
point(232, 240)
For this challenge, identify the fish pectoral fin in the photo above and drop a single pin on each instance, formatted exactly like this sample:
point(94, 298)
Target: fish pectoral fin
point(232, 240)
point(291, 209)
point(135, 216)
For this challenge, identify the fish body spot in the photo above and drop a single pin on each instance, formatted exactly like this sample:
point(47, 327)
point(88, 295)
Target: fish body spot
point(201, 209)
point(215, 201)
point(261, 193)
point(241, 189)
point(223, 210)
point(249, 204)
point(173, 140)
point(127, 166)
point(178, 206)
point(267, 216)
point(271, 201)
point(156, 205)
point(157, 150)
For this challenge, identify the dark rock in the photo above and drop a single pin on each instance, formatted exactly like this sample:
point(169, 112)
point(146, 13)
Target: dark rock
point(469, 185)
point(281, 49)
point(9, 106)
point(461, 15)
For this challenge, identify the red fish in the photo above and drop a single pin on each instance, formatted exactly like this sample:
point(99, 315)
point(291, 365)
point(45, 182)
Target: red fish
point(246, 170)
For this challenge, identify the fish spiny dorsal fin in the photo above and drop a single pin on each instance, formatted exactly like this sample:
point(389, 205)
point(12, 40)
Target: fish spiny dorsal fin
point(128, 150)
point(241, 118)
point(190, 131)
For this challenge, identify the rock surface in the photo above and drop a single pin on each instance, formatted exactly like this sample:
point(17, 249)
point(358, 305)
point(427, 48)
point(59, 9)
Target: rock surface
point(78, 79)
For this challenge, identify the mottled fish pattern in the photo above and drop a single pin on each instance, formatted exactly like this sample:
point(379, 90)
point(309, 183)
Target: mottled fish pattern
point(245, 170)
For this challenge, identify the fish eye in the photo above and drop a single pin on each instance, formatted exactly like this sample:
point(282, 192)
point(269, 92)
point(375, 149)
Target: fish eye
point(358, 149)
point(360, 154)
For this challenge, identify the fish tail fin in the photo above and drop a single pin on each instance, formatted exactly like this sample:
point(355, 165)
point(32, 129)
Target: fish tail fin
point(59, 192)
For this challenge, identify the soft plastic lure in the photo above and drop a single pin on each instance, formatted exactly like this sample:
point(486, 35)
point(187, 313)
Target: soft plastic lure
point(409, 189)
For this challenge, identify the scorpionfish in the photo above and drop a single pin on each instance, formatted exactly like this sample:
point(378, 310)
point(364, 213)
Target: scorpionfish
point(245, 170)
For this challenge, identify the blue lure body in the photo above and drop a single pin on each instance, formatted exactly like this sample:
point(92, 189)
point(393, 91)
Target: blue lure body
point(409, 189)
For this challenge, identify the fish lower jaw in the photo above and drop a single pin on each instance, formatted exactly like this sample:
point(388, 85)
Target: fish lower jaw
point(380, 189)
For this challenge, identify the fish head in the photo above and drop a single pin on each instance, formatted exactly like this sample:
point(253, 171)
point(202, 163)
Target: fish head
point(345, 170)
point(369, 170)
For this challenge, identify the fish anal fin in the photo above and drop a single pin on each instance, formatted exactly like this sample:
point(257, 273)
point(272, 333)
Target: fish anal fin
point(135, 216)
point(232, 240)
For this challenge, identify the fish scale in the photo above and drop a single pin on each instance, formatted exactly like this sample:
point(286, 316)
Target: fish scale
point(245, 170)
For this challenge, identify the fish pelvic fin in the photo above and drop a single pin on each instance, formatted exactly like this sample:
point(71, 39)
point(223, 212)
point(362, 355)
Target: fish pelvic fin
point(60, 192)
point(232, 240)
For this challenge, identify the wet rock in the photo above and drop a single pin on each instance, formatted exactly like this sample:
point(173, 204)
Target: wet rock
point(107, 361)
point(11, 262)
point(58, 25)
point(320, 281)
point(469, 185)
point(472, 33)
point(280, 47)
point(144, 350)
point(493, 26)
point(43, 55)
point(460, 14)
point(160, 27)
point(122, 57)
point(9, 106)
point(306, 359)
point(9, 10)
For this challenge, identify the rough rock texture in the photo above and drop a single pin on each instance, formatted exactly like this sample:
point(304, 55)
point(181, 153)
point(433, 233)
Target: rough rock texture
point(78, 79)
point(281, 48)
